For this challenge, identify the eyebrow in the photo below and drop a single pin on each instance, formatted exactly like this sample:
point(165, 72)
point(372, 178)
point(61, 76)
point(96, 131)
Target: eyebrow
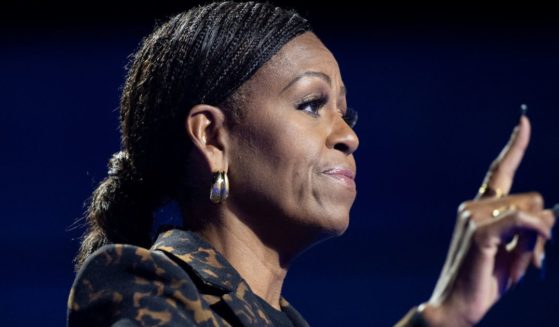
point(320, 75)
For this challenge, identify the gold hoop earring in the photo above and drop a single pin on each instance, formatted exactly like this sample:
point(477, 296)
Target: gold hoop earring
point(219, 190)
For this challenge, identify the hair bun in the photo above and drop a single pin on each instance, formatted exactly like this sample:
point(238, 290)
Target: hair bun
point(119, 165)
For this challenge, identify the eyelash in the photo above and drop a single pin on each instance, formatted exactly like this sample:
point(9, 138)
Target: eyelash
point(350, 117)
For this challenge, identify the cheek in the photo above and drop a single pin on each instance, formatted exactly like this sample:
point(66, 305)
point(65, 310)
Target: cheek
point(276, 162)
point(277, 169)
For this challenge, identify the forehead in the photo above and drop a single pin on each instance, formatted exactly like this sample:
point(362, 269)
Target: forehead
point(303, 51)
point(301, 54)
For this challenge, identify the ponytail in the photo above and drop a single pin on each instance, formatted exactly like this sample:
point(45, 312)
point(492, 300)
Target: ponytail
point(120, 210)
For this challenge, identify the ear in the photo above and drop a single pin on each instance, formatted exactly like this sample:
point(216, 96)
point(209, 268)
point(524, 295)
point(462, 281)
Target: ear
point(206, 128)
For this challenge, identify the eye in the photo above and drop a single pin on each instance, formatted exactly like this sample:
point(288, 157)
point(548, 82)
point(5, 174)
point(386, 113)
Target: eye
point(351, 117)
point(313, 105)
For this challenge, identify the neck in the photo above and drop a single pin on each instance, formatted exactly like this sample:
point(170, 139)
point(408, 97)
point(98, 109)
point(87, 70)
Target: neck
point(259, 246)
point(258, 264)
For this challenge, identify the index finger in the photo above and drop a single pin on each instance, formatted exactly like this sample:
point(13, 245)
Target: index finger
point(501, 172)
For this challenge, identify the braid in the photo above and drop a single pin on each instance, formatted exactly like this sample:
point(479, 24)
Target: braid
point(203, 55)
point(122, 195)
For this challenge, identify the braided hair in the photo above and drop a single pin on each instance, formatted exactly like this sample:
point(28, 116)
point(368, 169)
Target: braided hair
point(200, 56)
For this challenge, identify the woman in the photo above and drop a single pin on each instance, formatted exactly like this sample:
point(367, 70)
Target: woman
point(242, 99)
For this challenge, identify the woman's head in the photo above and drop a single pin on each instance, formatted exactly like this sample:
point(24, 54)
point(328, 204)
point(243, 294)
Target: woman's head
point(289, 159)
point(198, 59)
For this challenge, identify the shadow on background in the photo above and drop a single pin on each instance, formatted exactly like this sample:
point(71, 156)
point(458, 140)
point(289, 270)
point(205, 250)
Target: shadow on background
point(438, 93)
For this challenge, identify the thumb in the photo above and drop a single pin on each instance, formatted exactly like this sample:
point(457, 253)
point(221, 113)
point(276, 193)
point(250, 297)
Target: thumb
point(502, 170)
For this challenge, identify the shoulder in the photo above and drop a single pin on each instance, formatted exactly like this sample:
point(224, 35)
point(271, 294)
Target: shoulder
point(122, 260)
point(125, 284)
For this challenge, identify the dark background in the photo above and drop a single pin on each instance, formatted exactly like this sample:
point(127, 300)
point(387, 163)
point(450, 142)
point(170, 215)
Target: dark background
point(438, 90)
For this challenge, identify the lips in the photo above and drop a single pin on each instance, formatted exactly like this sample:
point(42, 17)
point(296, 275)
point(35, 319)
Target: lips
point(342, 175)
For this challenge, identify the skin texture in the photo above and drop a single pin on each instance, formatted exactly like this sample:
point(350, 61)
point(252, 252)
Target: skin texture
point(282, 199)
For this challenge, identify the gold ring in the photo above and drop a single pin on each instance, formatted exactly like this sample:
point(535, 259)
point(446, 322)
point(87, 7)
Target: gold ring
point(497, 212)
point(485, 191)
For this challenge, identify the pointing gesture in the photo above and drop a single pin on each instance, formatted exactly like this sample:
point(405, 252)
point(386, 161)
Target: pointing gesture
point(496, 237)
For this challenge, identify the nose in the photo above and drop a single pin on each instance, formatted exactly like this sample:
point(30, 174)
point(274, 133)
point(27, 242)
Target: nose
point(342, 137)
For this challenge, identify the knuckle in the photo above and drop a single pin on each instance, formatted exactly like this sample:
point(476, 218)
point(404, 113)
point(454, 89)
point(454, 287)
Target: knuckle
point(494, 167)
point(517, 218)
point(535, 201)
point(464, 216)
point(549, 217)
point(476, 216)
point(465, 206)
point(472, 227)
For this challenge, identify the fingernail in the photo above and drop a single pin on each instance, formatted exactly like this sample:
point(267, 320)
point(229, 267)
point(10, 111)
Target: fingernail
point(511, 285)
point(523, 109)
point(541, 260)
point(556, 210)
point(542, 266)
point(520, 280)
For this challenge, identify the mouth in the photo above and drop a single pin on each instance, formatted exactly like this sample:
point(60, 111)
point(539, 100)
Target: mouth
point(342, 175)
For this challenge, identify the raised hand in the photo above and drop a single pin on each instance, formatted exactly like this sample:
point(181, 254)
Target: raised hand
point(496, 238)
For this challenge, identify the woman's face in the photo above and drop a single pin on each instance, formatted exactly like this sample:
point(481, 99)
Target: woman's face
point(291, 164)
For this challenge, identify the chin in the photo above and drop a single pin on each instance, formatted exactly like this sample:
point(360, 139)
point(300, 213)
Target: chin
point(336, 226)
point(324, 233)
point(342, 228)
point(322, 224)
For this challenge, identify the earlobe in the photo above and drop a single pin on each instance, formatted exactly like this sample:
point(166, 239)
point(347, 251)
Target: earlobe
point(205, 125)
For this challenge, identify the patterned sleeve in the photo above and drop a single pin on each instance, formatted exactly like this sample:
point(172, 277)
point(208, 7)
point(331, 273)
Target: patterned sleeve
point(124, 286)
